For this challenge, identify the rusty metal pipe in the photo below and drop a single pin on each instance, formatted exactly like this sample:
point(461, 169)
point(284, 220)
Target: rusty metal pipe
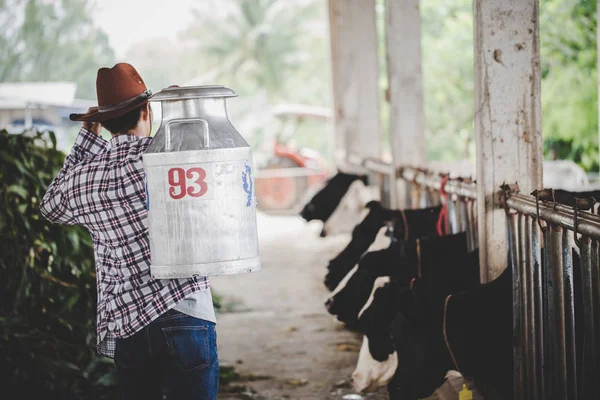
point(569, 307)
point(538, 302)
point(595, 272)
point(589, 372)
point(522, 305)
point(556, 300)
point(513, 251)
point(526, 204)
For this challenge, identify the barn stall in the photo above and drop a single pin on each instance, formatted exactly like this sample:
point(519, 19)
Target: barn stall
point(536, 250)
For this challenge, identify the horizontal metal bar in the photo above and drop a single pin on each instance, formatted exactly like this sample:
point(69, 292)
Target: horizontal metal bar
point(424, 178)
point(285, 173)
point(379, 167)
point(355, 160)
point(586, 223)
point(434, 181)
point(568, 209)
point(371, 164)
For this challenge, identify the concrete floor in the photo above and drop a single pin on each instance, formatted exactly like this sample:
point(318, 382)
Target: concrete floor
point(277, 335)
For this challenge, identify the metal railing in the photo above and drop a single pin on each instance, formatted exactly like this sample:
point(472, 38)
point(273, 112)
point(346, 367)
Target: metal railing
point(424, 188)
point(556, 298)
point(385, 174)
point(554, 255)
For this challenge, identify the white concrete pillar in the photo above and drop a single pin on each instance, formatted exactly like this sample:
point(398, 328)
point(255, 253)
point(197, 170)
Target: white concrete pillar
point(355, 73)
point(507, 115)
point(407, 123)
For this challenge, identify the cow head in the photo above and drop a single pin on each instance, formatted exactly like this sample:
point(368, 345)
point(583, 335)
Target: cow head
point(322, 205)
point(377, 315)
point(370, 373)
point(352, 293)
point(363, 236)
point(351, 209)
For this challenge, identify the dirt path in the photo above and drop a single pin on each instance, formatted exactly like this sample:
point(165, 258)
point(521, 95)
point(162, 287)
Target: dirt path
point(279, 338)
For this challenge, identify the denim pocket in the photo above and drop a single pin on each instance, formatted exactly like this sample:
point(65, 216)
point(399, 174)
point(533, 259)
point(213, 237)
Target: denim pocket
point(188, 345)
point(125, 353)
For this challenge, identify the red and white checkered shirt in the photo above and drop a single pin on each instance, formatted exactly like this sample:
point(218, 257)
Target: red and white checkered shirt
point(102, 187)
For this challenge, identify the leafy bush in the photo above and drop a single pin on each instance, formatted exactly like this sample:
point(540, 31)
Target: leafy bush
point(47, 284)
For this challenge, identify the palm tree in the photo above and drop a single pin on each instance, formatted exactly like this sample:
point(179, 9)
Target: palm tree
point(256, 44)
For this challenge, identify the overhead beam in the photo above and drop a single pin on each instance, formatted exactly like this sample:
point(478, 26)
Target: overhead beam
point(355, 75)
point(507, 115)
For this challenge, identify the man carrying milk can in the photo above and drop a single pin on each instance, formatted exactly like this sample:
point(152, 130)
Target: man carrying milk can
point(161, 333)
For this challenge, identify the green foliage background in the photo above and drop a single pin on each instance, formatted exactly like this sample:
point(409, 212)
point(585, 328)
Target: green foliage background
point(47, 285)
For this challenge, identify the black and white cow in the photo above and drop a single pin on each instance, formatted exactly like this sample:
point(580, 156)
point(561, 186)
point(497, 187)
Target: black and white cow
point(420, 352)
point(351, 208)
point(402, 261)
point(479, 326)
point(411, 224)
point(377, 359)
point(399, 261)
point(324, 202)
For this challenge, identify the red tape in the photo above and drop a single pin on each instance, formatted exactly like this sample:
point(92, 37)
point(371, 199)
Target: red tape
point(442, 222)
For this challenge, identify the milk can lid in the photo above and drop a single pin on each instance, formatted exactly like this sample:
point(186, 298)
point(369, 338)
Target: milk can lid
point(193, 92)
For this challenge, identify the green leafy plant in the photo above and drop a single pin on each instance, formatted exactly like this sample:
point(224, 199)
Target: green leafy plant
point(47, 284)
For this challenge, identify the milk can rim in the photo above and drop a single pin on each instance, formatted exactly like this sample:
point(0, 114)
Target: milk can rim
point(193, 92)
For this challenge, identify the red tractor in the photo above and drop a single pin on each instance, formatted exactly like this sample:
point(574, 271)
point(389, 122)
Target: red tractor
point(288, 172)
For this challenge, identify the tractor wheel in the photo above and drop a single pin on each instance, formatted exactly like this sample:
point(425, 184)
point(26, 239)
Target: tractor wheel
point(282, 193)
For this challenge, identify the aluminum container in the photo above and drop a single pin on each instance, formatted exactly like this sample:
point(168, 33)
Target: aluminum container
point(200, 188)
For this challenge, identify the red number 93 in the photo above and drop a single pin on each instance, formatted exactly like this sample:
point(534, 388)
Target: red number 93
point(178, 181)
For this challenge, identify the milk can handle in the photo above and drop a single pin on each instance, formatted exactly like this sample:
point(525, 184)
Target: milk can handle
point(185, 121)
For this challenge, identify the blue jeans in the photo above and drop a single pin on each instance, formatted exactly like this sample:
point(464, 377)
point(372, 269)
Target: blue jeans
point(175, 357)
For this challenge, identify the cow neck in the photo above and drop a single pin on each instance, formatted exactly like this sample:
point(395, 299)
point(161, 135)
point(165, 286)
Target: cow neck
point(345, 180)
point(418, 223)
point(408, 257)
point(441, 255)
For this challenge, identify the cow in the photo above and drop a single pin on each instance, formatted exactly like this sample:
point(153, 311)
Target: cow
point(421, 354)
point(370, 373)
point(402, 261)
point(407, 224)
point(363, 235)
point(479, 326)
point(397, 261)
point(376, 365)
point(351, 209)
point(324, 202)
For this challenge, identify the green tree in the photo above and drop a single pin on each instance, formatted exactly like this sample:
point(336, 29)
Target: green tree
point(263, 45)
point(569, 80)
point(448, 78)
point(52, 41)
point(47, 285)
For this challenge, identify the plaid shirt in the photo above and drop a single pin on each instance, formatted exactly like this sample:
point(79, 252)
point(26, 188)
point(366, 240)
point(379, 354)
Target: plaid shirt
point(102, 187)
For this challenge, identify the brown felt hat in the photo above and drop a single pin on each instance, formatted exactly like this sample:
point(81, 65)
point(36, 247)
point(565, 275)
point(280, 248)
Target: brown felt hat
point(120, 89)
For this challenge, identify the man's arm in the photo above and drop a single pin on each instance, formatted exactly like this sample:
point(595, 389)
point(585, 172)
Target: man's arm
point(54, 206)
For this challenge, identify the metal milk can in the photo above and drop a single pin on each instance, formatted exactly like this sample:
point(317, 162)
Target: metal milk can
point(200, 188)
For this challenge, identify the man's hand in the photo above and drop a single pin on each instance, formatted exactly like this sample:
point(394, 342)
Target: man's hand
point(94, 127)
